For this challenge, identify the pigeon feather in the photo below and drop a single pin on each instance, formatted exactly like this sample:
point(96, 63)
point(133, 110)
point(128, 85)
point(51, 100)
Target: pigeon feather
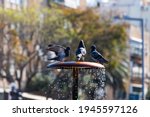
point(97, 56)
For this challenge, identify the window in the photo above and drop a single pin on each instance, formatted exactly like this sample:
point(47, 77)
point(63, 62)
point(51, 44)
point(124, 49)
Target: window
point(59, 0)
point(136, 48)
point(137, 89)
point(13, 1)
point(18, 2)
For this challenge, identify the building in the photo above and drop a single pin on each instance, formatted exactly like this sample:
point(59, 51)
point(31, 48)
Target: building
point(134, 9)
point(82, 4)
point(37, 3)
point(13, 4)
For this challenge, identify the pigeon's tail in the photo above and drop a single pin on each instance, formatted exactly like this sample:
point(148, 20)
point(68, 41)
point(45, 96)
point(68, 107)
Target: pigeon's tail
point(103, 60)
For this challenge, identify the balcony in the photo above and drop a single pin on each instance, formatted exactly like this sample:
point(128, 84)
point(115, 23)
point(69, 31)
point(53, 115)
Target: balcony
point(136, 52)
point(136, 74)
point(59, 1)
point(136, 59)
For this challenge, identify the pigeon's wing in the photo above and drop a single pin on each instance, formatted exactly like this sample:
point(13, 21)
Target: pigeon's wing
point(78, 51)
point(102, 59)
point(96, 55)
point(59, 46)
point(60, 56)
point(81, 48)
point(56, 49)
point(83, 51)
point(54, 45)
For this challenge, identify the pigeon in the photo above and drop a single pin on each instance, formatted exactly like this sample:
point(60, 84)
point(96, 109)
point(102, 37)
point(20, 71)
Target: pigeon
point(81, 51)
point(60, 51)
point(97, 56)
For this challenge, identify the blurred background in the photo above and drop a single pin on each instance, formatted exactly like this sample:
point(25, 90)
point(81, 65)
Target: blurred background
point(119, 28)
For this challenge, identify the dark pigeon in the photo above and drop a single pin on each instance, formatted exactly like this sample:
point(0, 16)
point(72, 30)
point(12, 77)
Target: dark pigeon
point(60, 51)
point(96, 56)
point(81, 51)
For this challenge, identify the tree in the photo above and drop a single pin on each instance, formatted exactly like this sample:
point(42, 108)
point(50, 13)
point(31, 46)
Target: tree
point(18, 34)
point(28, 32)
point(22, 37)
point(110, 39)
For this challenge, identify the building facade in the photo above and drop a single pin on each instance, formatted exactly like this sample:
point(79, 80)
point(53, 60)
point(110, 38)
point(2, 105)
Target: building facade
point(13, 4)
point(134, 9)
point(82, 4)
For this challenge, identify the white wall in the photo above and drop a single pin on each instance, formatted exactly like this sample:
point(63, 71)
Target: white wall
point(72, 3)
point(91, 3)
point(76, 3)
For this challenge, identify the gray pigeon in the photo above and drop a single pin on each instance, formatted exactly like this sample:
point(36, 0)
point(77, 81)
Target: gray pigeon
point(81, 51)
point(97, 56)
point(60, 51)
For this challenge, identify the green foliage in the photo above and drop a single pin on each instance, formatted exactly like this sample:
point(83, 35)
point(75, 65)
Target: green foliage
point(16, 27)
point(39, 84)
point(67, 27)
point(52, 26)
point(110, 39)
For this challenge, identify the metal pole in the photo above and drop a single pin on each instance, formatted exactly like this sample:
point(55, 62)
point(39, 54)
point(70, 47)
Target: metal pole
point(75, 84)
point(142, 36)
